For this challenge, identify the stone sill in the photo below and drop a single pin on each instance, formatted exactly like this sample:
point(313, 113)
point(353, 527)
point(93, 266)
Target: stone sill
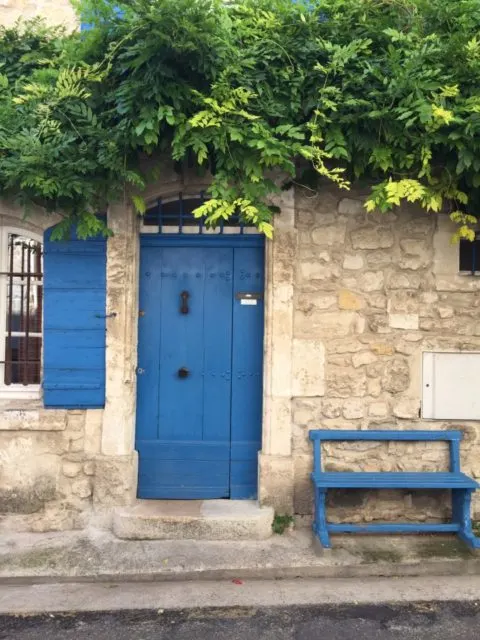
point(30, 415)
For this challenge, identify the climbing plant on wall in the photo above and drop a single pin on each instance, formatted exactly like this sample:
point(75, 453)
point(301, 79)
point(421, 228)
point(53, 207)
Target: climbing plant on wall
point(333, 90)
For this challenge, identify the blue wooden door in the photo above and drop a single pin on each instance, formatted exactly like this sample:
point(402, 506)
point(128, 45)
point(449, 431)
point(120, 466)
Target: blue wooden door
point(199, 371)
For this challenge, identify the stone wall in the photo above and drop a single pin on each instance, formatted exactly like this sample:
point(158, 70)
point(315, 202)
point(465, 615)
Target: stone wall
point(372, 292)
point(47, 466)
point(53, 11)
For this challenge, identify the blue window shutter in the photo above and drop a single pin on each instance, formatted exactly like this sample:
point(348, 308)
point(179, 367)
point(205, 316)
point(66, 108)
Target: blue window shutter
point(74, 328)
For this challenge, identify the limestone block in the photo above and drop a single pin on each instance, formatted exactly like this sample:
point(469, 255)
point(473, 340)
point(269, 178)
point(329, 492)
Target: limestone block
point(300, 440)
point(407, 408)
point(445, 312)
point(333, 235)
point(374, 387)
point(403, 320)
point(415, 246)
point(71, 469)
point(53, 11)
point(378, 410)
point(382, 349)
point(349, 206)
point(377, 301)
point(89, 468)
point(412, 263)
point(115, 480)
point(371, 281)
point(340, 360)
point(303, 489)
point(307, 411)
point(405, 281)
point(353, 409)
point(349, 300)
point(308, 367)
point(318, 270)
point(396, 377)
point(36, 420)
point(312, 302)
point(378, 323)
point(76, 420)
point(343, 382)
point(381, 258)
point(412, 337)
point(276, 483)
point(326, 325)
point(372, 238)
point(93, 431)
point(404, 301)
point(353, 262)
point(362, 358)
point(332, 408)
point(82, 488)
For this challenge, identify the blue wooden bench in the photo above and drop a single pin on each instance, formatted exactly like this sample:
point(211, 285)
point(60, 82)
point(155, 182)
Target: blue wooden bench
point(458, 483)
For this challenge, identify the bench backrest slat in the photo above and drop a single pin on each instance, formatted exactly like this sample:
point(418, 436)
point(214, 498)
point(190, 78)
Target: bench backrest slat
point(411, 435)
point(324, 435)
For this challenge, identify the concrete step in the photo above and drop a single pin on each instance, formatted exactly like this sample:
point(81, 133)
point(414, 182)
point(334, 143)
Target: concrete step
point(193, 519)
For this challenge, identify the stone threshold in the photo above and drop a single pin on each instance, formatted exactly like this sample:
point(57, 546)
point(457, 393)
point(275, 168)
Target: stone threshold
point(99, 556)
point(193, 520)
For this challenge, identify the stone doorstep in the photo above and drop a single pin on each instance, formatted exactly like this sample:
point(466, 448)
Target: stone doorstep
point(193, 520)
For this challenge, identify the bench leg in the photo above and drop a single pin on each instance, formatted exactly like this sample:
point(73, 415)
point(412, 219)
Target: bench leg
point(461, 503)
point(320, 524)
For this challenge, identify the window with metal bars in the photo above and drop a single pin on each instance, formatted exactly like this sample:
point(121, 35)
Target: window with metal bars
point(21, 301)
point(175, 215)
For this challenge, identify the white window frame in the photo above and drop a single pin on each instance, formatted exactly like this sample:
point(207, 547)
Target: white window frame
point(13, 391)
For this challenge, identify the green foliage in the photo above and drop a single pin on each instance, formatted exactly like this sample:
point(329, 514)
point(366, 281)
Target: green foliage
point(383, 90)
point(280, 524)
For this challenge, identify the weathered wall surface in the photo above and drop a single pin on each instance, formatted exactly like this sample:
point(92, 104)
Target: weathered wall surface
point(372, 292)
point(48, 458)
point(53, 11)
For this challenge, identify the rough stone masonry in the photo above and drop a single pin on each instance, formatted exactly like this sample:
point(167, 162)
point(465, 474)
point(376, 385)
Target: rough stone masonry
point(372, 293)
point(356, 299)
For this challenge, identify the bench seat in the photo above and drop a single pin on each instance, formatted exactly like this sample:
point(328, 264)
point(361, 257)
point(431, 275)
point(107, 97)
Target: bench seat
point(395, 480)
point(460, 485)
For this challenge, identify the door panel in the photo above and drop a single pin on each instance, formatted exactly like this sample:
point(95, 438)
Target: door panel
point(247, 363)
point(198, 436)
point(183, 431)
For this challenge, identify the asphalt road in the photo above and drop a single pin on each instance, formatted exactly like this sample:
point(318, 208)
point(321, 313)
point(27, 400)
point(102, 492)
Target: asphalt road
point(441, 621)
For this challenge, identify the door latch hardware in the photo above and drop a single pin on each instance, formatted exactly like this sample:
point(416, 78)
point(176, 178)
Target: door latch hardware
point(184, 296)
point(183, 372)
point(140, 371)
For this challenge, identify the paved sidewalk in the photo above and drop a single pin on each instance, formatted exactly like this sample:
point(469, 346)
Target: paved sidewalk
point(160, 597)
point(99, 556)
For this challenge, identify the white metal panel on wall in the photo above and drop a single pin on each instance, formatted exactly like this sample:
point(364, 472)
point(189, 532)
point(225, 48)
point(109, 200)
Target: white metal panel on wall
point(451, 386)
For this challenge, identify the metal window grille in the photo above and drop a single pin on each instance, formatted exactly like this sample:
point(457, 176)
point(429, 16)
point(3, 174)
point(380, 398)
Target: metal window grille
point(175, 215)
point(23, 281)
point(469, 256)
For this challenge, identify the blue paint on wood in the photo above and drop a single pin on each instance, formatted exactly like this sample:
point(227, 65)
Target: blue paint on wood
point(190, 445)
point(247, 374)
point(460, 485)
point(74, 322)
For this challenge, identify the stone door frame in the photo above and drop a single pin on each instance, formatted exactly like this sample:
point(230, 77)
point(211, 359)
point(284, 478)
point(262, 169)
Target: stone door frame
point(118, 460)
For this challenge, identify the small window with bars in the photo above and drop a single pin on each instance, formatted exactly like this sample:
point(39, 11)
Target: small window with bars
point(469, 256)
point(21, 301)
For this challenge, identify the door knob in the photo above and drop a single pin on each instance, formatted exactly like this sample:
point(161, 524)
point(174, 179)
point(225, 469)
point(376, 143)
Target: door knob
point(183, 372)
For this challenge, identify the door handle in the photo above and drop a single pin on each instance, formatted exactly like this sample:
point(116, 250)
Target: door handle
point(184, 296)
point(183, 372)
